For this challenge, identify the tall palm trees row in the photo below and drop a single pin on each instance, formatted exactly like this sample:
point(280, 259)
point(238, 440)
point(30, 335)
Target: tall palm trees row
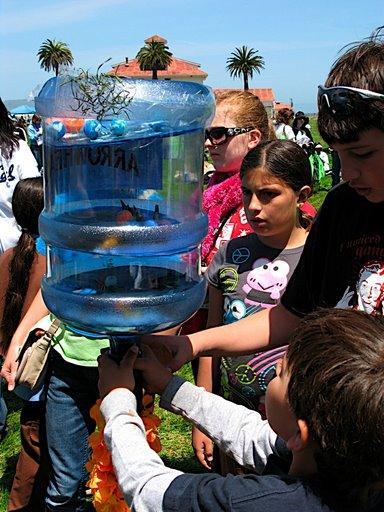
point(154, 56)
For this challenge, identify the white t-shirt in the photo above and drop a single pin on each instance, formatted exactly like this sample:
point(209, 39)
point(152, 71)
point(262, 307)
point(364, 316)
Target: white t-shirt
point(21, 165)
point(302, 138)
point(284, 132)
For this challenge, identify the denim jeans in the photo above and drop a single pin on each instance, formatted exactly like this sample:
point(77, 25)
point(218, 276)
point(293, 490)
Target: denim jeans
point(72, 390)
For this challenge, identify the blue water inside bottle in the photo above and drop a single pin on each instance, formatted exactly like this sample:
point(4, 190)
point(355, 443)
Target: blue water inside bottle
point(122, 218)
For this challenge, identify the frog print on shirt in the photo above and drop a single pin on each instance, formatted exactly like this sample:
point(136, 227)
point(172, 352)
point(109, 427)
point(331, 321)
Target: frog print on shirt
point(266, 282)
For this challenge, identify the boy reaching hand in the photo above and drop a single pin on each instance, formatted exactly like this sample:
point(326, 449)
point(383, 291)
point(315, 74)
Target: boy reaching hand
point(326, 406)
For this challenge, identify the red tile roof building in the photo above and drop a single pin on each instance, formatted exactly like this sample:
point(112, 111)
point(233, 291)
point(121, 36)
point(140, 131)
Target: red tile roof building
point(179, 69)
point(156, 38)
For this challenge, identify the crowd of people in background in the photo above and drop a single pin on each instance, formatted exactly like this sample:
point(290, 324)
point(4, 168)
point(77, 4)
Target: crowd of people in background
point(289, 405)
point(296, 127)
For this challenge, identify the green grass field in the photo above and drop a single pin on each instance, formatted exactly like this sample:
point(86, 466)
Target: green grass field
point(175, 432)
point(9, 448)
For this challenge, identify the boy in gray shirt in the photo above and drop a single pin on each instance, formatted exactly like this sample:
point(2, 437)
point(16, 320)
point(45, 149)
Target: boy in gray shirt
point(325, 405)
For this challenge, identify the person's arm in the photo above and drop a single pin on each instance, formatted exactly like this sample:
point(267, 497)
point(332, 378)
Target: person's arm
point(5, 258)
point(266, 329)
point(260, 331)
point(36, 312)
point(263, 330)
point(142, 476)
point(148, 485)
point(236, 430)
point(202, 444)
point(215, 307)
point(37, 272)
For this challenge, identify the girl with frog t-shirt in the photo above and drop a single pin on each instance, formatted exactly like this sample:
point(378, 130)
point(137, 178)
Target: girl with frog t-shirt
point(250, 273)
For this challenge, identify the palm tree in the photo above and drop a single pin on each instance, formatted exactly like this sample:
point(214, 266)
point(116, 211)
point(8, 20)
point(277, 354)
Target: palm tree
point(53, 54)
point(244, 61)
point(154, 56)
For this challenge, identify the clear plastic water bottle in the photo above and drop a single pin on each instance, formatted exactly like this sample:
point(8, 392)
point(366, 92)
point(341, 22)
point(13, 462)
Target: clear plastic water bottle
point(122, 218)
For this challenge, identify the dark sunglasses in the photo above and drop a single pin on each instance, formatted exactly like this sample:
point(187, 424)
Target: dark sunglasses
point(342, 100)
point(219, 134)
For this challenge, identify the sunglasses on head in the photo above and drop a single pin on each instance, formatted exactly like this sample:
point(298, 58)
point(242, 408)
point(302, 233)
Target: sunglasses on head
point(219, 134)
point(342, 100)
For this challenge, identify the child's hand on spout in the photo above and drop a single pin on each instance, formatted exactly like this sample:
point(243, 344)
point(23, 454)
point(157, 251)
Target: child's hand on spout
point(113, 375)
point(156, 376)
point(180, 348)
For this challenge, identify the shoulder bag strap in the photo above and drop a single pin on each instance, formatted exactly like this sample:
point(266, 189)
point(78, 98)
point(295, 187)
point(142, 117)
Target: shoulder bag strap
point(53, 328)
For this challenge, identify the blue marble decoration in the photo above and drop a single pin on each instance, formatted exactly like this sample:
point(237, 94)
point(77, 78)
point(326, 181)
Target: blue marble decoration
point(92, 129)
point(118, 127)
point(57, 130)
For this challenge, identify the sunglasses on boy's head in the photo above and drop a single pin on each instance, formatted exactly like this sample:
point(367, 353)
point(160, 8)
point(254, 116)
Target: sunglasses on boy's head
point(219, 134)
point(342, 100)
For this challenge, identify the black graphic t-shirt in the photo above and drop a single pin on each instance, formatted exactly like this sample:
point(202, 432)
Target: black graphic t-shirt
point(251, 276)
point(342, 264)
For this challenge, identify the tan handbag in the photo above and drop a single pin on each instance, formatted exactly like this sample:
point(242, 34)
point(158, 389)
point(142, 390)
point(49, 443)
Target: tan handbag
point(33, 356)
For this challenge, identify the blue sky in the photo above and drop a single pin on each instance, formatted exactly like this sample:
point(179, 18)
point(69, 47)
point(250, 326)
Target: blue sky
point(298, 39)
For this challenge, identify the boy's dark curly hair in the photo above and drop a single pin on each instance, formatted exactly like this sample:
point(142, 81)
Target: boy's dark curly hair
point(335, 362)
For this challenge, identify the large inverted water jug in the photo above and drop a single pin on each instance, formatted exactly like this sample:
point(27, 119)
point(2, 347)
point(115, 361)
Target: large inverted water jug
point(122, 219)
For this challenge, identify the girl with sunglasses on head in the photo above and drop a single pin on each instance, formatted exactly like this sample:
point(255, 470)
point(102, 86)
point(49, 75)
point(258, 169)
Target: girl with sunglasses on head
point(249, 274)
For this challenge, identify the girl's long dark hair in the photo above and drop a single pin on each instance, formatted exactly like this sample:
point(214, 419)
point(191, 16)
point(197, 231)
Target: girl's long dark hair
point(27, 204)
point(285, 160)
point(8, 138)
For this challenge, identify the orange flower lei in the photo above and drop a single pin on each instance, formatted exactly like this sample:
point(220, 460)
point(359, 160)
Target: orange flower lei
point(107, 496)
